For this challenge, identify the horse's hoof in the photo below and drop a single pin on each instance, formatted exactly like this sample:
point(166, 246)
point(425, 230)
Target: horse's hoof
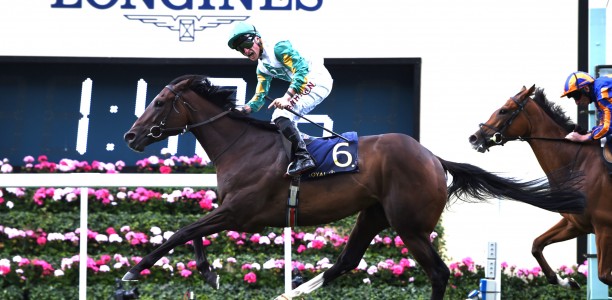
point(213, 279)
point(573, 284)
point(129, 276)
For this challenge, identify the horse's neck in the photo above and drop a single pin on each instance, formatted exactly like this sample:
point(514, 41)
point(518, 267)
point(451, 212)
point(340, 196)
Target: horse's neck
point(228, 142)
point(552, 154)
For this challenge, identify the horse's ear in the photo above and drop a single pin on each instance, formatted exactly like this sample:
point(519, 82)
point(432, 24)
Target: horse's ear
point(531, 90)
point(522, 89)
point(181, 84)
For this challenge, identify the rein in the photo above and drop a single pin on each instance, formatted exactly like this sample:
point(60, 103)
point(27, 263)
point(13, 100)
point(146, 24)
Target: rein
point(157, 130)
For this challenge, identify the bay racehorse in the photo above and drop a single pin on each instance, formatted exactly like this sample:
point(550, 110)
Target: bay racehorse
point(400, 184)
point(543, 125)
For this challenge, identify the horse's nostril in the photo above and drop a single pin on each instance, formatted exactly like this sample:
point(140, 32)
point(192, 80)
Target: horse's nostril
point(129, 136)
point(473, 139)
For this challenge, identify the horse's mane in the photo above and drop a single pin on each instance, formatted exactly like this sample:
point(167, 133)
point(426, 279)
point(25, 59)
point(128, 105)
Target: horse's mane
point(555, 111)
point(222, 98)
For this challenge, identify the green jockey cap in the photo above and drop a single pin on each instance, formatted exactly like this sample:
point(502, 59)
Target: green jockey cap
point(241, 29)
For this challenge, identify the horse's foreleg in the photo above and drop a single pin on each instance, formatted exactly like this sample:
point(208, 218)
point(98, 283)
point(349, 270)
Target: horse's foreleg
point(604, 255)
point(562, 231)
point(203, 265)
point(370, 222)
point(212, 223)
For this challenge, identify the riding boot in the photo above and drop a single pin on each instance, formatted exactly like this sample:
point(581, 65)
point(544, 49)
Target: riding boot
point(302, 161)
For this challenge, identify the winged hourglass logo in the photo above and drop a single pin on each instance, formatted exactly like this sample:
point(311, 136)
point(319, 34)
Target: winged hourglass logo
point(186, 25)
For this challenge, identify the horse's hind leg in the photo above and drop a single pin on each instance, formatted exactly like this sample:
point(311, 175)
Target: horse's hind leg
point(562, 231)
point(203, 265)
point(425, 254)
point(371, 221)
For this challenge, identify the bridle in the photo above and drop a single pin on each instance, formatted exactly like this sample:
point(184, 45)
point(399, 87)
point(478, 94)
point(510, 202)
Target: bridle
point(156, 131)
point(500, 139)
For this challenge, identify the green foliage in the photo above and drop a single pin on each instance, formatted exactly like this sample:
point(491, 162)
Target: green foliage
point(62, 216)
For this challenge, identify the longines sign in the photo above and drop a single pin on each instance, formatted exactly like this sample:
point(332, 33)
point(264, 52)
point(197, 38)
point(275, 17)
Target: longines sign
point(204, 5)
point(151, 28)
point(188, 25)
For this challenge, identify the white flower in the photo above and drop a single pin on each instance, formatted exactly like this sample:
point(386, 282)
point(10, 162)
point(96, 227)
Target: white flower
point(308, 237)
point(153, 160)
point(279, 240)
point(168, 234)
point(271, 263)
point(6, 168)
point(58, 273)
point(55, 236)
point(121, 195)
point(101, 238)
point(16, 259)
point(372, 270)
point(115, 238)
point(264, 240)
point(256, 266)
point(156, 240)
point(66, 263)
point(366, 280)
point(155, 230)
point(104, 268)
point(217, 264)
point(169, 162)
point(362, 265)
point(118, 265)
point(168, 267)
point(10, 204)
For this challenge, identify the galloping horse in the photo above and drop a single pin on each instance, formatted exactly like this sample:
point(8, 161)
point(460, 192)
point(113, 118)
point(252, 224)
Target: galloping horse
point(400, 184)
point(544, 125)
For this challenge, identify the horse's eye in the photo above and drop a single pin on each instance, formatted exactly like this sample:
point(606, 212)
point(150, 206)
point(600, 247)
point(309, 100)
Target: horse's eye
point(503, 111)
point(158, 103)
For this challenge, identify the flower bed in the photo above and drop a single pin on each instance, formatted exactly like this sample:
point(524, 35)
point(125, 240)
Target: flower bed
point(39, 244)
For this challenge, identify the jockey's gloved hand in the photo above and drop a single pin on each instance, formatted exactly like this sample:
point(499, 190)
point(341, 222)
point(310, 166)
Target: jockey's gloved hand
point(245, 109)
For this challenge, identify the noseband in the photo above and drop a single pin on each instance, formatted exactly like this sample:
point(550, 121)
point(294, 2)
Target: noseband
point(498, 137)
point(156, 131)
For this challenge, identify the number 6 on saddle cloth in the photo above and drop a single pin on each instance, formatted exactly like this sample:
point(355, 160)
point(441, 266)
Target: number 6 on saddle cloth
point(332, 155)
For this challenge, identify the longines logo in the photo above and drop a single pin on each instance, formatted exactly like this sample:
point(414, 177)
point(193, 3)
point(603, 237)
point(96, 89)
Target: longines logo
point(188, 25)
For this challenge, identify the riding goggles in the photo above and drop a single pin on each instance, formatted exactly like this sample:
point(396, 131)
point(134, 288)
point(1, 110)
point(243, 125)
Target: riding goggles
point(244, 42)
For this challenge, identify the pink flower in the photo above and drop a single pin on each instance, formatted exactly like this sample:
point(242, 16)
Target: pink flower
point(145, 272)
point(41, 240)
point(206, 204)
point(185, 273)
point(397, 270)
point(5, 269)
point(317, 244)
point(398, 242)
point(192, 265)
point(404, 251)
point(250, 277)
point(301, 248)
point(166, 170)
point(255, 238)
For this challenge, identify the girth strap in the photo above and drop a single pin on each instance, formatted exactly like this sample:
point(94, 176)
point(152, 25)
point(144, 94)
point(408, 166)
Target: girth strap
point(292, 202)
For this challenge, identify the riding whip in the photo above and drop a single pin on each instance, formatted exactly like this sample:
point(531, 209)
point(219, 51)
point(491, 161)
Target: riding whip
point(299, 115)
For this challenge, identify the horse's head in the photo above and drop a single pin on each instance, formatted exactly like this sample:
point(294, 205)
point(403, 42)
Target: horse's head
point(173, 111)
point(506, 123)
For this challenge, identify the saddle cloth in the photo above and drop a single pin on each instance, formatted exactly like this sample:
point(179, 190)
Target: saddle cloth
point(333, 155)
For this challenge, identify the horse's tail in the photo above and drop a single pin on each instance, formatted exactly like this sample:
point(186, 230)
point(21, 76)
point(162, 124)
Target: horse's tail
point(472, 181)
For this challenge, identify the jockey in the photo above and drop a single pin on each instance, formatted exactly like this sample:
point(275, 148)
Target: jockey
point(581, 87)
point(309, 84)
